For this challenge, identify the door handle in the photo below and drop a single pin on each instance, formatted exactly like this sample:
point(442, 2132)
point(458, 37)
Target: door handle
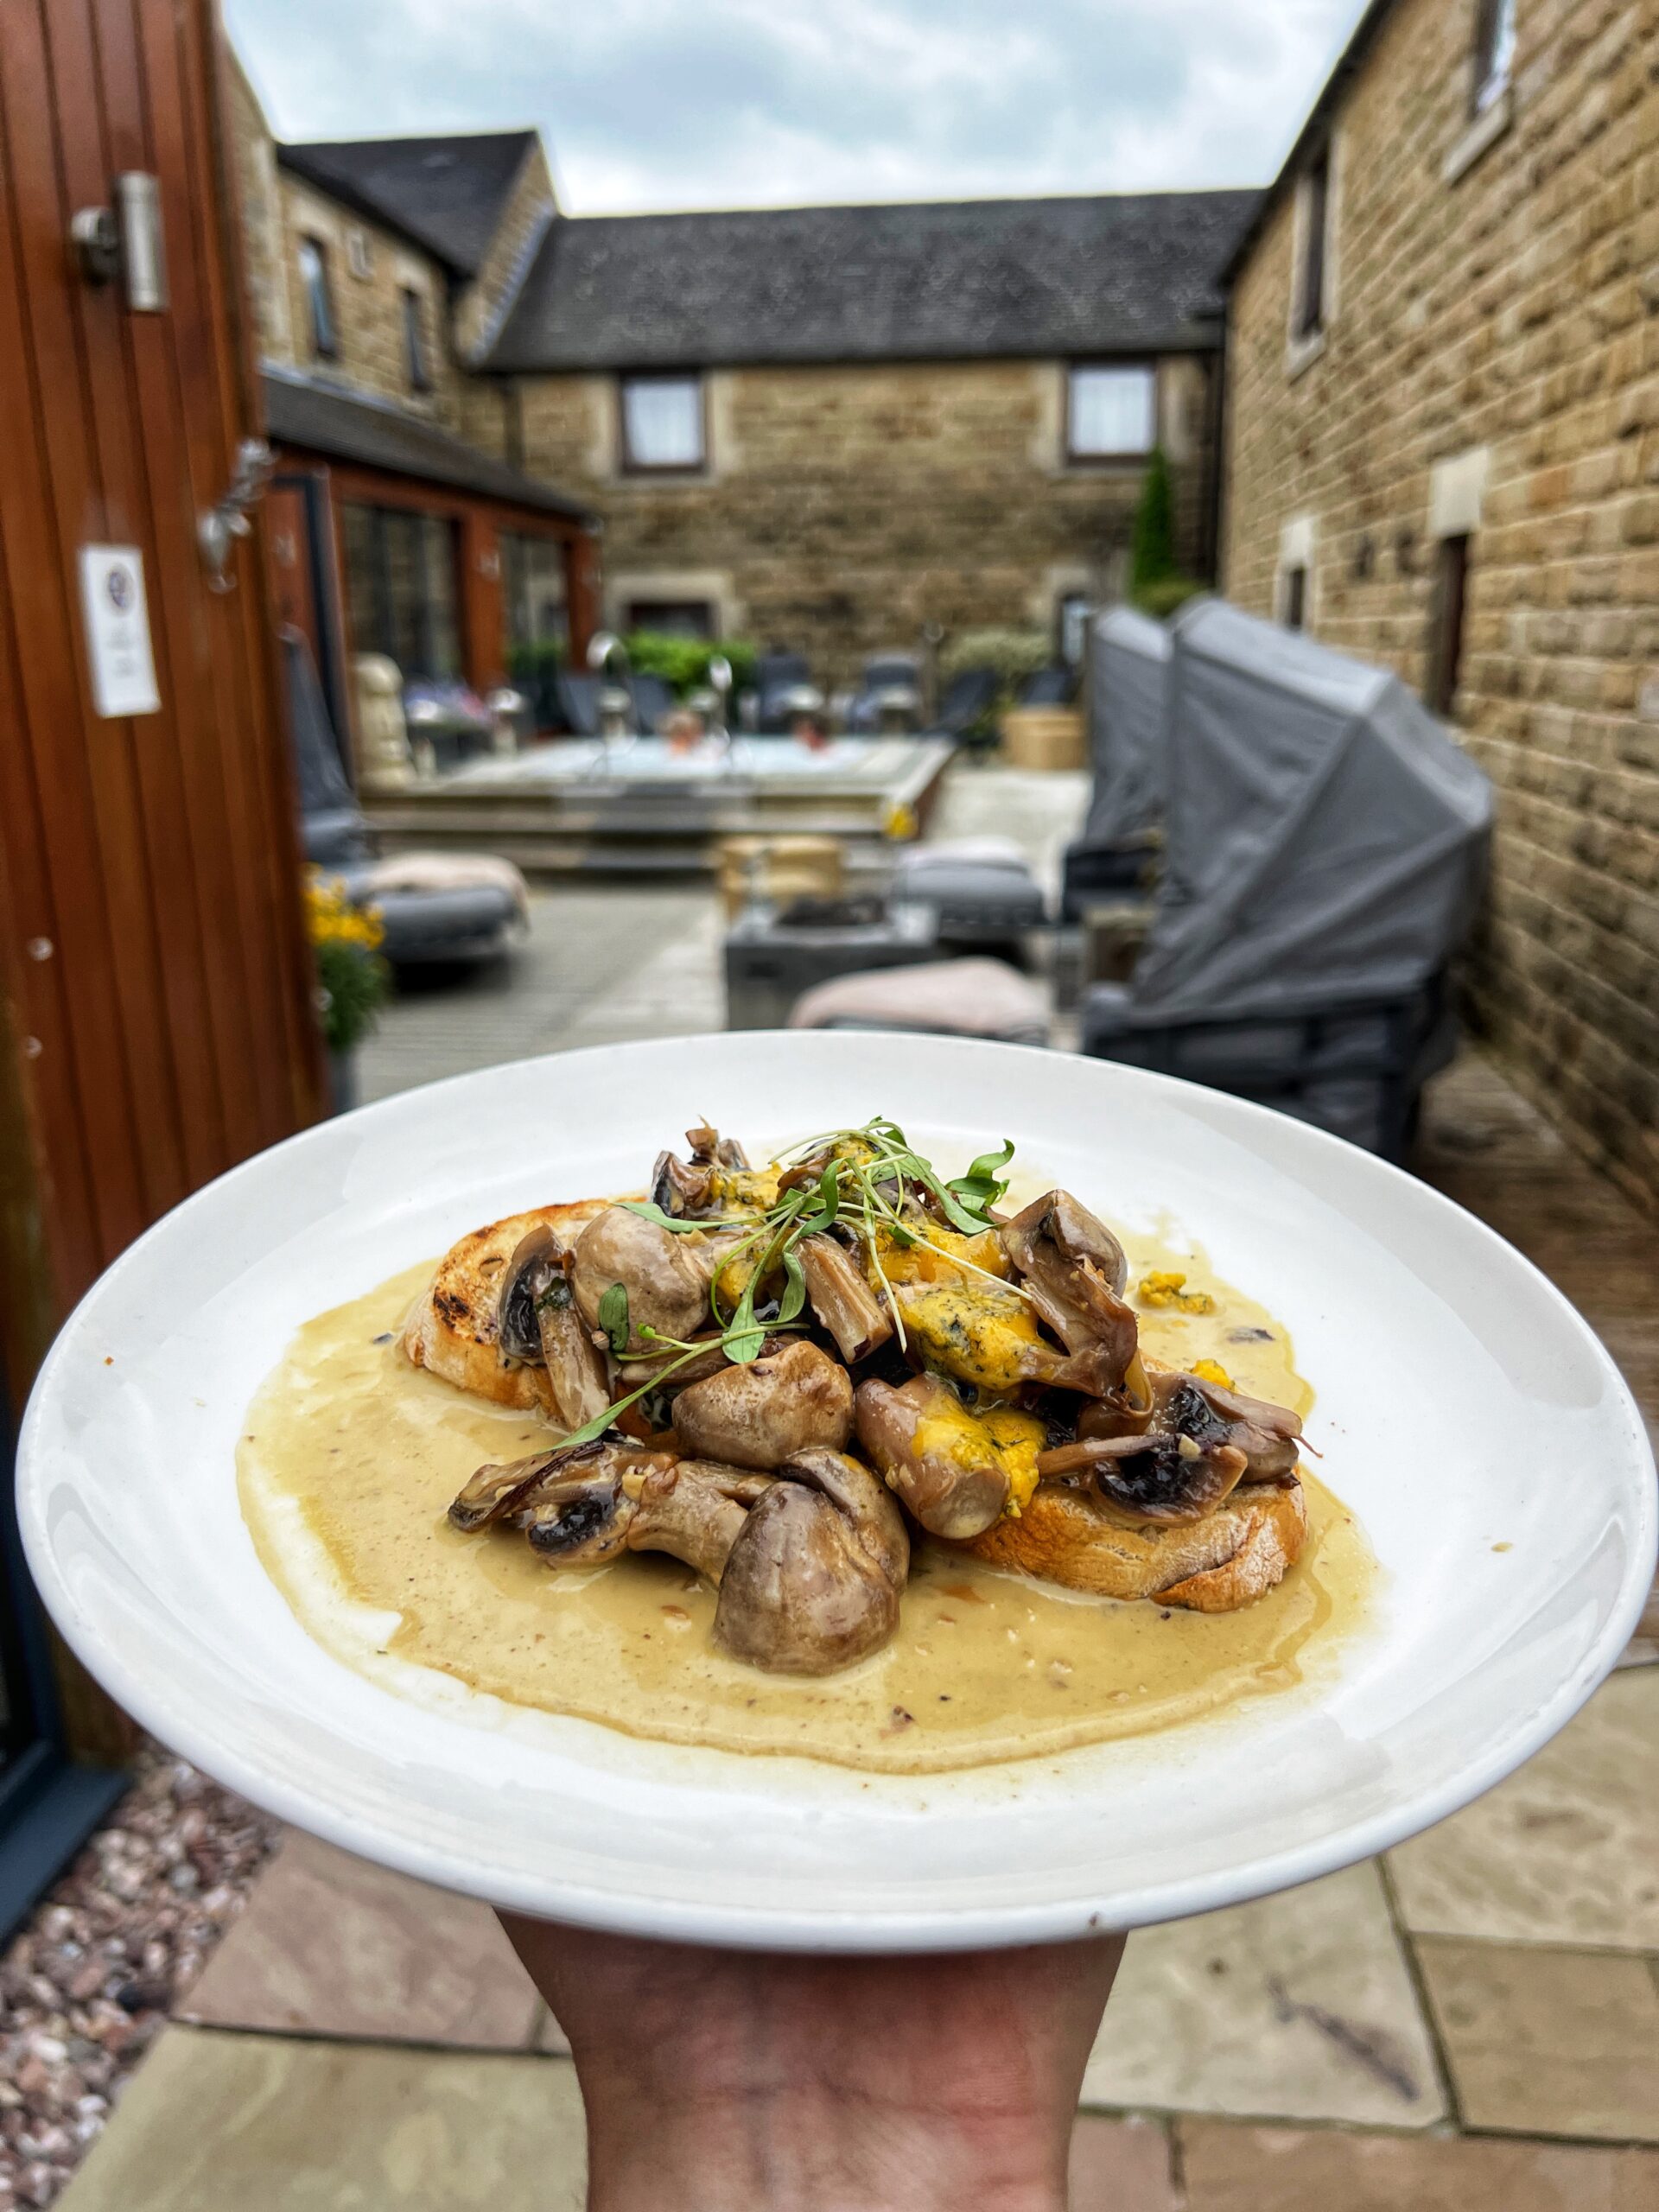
point(219, 528)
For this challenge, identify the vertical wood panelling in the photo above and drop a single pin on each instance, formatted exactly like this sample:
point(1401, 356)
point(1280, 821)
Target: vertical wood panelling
point(167, 1030)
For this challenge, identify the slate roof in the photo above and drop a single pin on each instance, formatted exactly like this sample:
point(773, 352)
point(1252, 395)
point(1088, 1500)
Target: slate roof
point(445, 193)
point(1104, 274)
point(302, 411)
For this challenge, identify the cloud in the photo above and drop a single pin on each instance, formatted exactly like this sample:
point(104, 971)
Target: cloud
point(651, 103)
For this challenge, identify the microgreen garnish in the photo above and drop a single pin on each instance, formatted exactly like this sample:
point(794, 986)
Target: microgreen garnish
point(870, 1182)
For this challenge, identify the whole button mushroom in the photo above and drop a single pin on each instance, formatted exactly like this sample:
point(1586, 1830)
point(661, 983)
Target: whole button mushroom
point(797, 1399)
point(941, 1461)
point(813, 1581)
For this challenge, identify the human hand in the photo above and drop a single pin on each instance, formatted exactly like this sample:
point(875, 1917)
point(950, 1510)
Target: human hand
point(750, 2081)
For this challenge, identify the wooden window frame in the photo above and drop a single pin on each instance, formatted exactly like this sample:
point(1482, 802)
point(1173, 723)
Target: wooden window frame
point(417, 358)
point(1313, 258)
point(321, 350)
point(626, 462)
point(1137, 454)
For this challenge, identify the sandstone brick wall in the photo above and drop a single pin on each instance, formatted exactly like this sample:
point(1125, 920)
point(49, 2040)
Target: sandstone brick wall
point(259, 194)
point(843, 507)
point(530, 207)
point(1496, 328)
point(373, 355)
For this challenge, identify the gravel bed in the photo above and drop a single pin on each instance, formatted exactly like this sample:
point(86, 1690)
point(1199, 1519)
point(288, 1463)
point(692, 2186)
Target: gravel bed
point(88, 1983)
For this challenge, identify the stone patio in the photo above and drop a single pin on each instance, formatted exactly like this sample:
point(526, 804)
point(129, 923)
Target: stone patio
point(1469, 2025)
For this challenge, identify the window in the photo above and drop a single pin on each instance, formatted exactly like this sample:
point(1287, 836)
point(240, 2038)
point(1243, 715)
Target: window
point(677, 618)
point(1494, 52)
point(1445, 638)
point(662, 424)
point(320, 299)
point(420, 368)
point(1316, 220)
point(1111, 414)
point(1295, 588)
point(400, 586)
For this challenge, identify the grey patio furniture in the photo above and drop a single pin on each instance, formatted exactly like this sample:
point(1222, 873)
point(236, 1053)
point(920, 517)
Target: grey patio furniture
point(469, 907)
point(980, 890)
point(774, 955)
point(967, 704)
point(581, 700)
point(889, 694)
point(777, 675)
point(1047, 687)
point(1129, 688)
point(1326, 848)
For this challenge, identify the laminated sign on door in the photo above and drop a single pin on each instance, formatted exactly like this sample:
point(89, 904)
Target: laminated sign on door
point(118, 631)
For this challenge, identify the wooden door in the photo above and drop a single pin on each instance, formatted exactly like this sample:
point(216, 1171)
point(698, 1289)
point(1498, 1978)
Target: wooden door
point(156, 990)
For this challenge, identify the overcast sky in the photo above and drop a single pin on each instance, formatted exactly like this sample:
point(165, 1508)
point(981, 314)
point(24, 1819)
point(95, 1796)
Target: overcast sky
point(755, 103)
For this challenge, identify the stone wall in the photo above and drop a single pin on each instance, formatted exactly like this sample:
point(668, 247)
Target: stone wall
point(1491, 367)
point(260, 195)
point(530, 207)
point(370, 267)
point(844, 506)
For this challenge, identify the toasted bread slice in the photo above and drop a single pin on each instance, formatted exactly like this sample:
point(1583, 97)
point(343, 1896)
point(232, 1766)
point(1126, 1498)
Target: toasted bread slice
point(451, 1329)
point(1232, 1556)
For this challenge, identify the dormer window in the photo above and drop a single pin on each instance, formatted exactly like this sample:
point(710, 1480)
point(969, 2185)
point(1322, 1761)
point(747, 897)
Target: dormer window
point(1494, 53)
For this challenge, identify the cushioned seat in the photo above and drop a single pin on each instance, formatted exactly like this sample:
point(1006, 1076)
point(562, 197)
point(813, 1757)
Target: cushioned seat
point(952, 998)
point(979, 889)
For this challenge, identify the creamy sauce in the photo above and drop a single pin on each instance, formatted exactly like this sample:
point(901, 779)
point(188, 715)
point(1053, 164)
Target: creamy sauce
point(351, 1457)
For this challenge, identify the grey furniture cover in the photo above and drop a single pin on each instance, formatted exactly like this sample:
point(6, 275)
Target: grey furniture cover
point(1326, 838)
point(1129, 698)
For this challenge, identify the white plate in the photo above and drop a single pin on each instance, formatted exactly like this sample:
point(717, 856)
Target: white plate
point(1462, 1405)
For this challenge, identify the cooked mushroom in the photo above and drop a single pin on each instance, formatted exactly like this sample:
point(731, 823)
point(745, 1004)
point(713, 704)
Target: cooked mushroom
point(941, 1461)
point(712, 1182)
point(814, 1579)
point(665, 1276)
point(1202, 1443)
point(1072, 1271)
point(539, 1324)
point(1267, 1434)
point(791, 1400)
point(587, 1505)
point(841, 1298)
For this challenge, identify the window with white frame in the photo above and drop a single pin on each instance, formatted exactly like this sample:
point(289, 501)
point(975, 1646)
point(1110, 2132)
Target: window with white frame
point(1112, 412)
point(319, 297)
point(663, 425)
point(1494, 53)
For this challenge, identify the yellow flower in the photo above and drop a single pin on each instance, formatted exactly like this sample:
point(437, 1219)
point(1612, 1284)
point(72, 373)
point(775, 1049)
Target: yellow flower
point(331, 919)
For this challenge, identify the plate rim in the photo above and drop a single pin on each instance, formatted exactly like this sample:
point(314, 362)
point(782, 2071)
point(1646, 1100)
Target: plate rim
point(871, 1931)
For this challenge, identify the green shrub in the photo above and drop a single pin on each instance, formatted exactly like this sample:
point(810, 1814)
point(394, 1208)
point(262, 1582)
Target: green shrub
point(682, 662)
point(1162, 599)
point(1014, 654)
point(1152, 542)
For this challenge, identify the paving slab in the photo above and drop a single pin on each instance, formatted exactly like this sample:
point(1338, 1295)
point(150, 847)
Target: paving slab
point(1300, 2006)
point(331, 1946)
point(275, 2124)
point(1122, 2165)
point(1280, 2169)
point(1543, 2042)
point(1566, 1851)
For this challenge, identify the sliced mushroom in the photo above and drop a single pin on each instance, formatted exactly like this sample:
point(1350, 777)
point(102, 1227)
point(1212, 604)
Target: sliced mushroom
point(841, 1298)
point(665, 1276)
point(1072, 1270)
point(791, 1400)
point(1202, 1442)
point(690, 1189)
point(941, 1461)
point(587, 1506)
point(1267, 1434)
point(814, 1579)
point(489, 1494)
point(539, 1324)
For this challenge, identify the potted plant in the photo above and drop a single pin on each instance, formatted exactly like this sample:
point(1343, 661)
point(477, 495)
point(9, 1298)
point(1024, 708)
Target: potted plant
point(353, 981)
